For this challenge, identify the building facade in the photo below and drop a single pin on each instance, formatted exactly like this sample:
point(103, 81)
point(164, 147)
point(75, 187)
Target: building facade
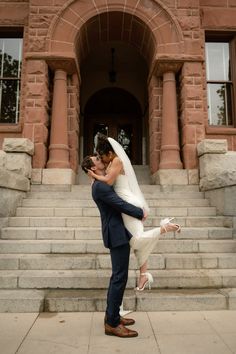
point(158, 76)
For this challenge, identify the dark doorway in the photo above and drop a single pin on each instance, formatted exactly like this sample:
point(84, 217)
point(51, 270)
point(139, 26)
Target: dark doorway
point(117, 114)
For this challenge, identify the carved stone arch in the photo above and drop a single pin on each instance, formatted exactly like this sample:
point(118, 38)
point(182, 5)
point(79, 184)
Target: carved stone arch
point(164, 28)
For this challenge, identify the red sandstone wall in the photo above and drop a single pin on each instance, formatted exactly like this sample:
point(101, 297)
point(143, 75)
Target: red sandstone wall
point(193, 17)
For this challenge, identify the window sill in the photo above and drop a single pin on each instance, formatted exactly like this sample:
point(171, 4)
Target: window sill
point(220, 130)
point(10, 128)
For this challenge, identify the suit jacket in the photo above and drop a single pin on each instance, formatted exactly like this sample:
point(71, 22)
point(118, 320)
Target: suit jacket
point(111, 206)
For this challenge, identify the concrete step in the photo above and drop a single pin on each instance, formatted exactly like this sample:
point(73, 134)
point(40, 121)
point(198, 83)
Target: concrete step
point(27, 300)
point(93, 211)
point(102, 261)
point(142, 172)
point(84, 233)
point(86, 194)
point(83, 221)
point(154, 300)
point(99, 279)
point(79, 203)
point(147, 187)
point(96, 246)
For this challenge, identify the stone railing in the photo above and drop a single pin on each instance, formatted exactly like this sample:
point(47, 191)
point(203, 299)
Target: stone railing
point(218, 175)
point(15, 173)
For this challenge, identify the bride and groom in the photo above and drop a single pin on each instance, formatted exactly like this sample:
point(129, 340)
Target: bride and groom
point(123, 209)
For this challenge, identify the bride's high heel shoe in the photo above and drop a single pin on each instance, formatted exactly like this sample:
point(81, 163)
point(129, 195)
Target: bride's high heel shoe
point(166, 221)
point(148, 282)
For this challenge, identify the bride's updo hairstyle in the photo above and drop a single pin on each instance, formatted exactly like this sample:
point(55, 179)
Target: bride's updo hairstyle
point(103, 146)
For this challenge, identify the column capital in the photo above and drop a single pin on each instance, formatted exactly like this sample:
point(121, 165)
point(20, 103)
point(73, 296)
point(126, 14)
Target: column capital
point(164, 65)
point(63, 61)
point(66, 64)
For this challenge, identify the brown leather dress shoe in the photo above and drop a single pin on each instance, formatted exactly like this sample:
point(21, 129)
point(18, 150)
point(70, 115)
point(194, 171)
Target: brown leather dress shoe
point(127, 321)
point(124, 321)
point(120, 331)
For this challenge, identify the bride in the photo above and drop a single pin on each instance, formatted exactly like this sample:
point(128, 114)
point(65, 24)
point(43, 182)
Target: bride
point(120, 174)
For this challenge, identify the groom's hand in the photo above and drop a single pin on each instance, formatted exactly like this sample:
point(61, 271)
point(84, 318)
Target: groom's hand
point(145, 214)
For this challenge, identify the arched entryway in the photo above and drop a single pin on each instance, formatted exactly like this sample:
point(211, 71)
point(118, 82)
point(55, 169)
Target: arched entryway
point(115, 113)
point(80, 41)
point(114, 61)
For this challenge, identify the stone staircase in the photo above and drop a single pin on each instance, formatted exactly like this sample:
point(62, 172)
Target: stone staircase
point(52, 256)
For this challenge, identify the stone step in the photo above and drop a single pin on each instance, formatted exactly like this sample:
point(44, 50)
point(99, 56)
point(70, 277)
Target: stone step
point(78, 203)
point(83, 221)
point(96, 246)
point(84, 194)
point(142, 173)
point(102, 261)
point(154, 300)
point(144, 187)
point(99, 279)
point(84, 233)
point(93, 211)
point(66, 300)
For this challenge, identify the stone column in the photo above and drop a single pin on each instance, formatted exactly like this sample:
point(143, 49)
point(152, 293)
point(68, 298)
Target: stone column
point(58, 149)
point(170, 151)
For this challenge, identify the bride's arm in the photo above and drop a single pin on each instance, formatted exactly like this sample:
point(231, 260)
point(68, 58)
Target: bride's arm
point(114, 170)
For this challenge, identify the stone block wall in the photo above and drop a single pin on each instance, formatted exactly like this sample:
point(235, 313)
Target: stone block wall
point(73, 122)
point(155, 113)
point(191, 112)
point(191, 18)
point(36, 110)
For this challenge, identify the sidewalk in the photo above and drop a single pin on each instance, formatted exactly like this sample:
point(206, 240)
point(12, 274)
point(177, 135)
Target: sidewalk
point(199, 332)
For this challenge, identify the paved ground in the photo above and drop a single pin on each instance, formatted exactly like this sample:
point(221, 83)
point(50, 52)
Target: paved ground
point(199, 332)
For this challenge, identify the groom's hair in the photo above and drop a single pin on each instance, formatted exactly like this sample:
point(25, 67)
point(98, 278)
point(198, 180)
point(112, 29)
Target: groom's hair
point(87, 163)
point(103, 146)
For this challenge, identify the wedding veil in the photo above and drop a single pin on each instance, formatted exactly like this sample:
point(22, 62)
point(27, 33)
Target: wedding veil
point(129, 172)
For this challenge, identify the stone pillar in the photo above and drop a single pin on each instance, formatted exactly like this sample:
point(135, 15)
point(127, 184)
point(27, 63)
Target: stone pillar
point(58, 149)
point(170, 151)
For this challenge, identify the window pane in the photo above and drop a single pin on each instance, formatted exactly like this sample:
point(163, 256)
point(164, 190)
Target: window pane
point(219, 104)
point(98, 128)
point(124, 138)
point(217, 62)
point(10, 52)
point(9, 103)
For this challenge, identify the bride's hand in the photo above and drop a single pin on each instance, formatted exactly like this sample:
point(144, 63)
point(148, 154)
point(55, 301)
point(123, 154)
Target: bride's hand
point(91, 174)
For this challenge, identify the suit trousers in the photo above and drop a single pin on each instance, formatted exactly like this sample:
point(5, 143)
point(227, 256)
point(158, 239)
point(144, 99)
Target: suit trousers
point(120, 267)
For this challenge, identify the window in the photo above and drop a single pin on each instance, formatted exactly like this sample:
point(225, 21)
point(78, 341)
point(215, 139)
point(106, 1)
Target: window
point(220, 90)
point(10, 71)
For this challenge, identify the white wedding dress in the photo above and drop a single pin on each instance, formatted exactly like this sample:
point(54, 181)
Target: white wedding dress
point(142, 242)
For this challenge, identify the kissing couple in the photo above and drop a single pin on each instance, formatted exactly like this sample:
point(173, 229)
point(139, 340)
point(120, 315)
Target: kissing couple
point(123, 210)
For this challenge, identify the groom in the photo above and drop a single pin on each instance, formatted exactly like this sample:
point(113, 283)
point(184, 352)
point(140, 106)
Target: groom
point(116, 238)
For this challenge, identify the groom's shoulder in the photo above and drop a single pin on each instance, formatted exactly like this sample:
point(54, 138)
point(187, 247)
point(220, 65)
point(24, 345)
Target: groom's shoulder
point(101, 186)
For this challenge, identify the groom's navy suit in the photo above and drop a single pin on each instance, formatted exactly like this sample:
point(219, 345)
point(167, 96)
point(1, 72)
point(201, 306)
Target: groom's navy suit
point(116, 238)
